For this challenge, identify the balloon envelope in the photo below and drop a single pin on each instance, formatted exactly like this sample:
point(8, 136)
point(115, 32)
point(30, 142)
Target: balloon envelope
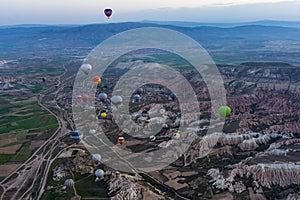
point(92, 117)
point(86, 68)
point(96, 79)
point(108, 12)
point(92, 132)
point(177, 135)
point(136, 97)
point(102, 96)
point(116, 100)
point(85, 97)
point(96, 158)
point(140, 91)
point(121, 140)
point(152, 138)
point(103, 115)
point(173, 96)
point(99, 173)
point(69, 183)
point(76, 136)
point(224, 111)
point(162, 111)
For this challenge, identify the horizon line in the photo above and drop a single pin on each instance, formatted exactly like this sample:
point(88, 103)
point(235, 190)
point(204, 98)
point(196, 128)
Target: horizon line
point(151, 21)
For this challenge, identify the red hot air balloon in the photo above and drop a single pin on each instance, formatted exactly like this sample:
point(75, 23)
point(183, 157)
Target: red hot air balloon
point(121, 140)
point(108, 12)
point(96, 79)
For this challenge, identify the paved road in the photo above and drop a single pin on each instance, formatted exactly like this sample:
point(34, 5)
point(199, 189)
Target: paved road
point(32, 169)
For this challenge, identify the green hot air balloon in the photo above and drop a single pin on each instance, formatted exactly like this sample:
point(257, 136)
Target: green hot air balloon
point(224, 111)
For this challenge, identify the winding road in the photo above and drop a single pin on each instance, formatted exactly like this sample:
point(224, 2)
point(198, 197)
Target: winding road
point(21, 182)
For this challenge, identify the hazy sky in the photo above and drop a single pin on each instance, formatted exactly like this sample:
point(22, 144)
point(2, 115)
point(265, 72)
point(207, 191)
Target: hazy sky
point(91, 11)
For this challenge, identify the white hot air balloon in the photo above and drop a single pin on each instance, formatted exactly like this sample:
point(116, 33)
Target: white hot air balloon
point(96, 158)
point(116, 100)
point(92, 132)
point(86, 68)
point(152, 138)
point(162, 111)
point(99, 173)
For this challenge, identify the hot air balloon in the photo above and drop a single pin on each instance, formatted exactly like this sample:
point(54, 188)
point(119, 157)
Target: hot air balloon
point(121, 140)
point(44, 79)
point(69, 183)
point(176, 136)
point(152, 138)
point(96, 158)
point(165, 126)
point(99, 173)
point(103, 115)
point(56, 85)
point(139, 91)
point(102, 96)
point(162, 111)
point(85, 97)
point(108, 12)
point(76, 136)
point(173, 96)
point(97, 80)
point(92, 132)
point(86, 68)
point(116, 100)
point(92, 117)
point(136, 97)
point(224, 111)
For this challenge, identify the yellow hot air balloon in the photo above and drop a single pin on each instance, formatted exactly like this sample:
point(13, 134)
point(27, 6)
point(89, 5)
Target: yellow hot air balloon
point(176, 136)
point(103, 115)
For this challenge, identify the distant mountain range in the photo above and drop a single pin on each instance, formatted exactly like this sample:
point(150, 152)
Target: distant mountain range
point(35, 25)
point(291, 24)
point(242, 43)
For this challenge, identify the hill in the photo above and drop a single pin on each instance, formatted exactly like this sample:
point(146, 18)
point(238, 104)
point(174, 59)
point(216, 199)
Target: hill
point(290, 24)
point(244, 43)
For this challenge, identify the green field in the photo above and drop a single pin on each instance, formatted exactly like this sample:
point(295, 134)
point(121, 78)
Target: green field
point(24, 115)
point(36, 123)
point(23, 154)
point(10, 104)
point(4, 158)
point(87, 187)
point(22, 120)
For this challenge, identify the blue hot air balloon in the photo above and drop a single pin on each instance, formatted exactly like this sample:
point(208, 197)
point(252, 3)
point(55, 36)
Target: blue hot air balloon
point(76, 136)
point(173, 96)
point(102, 96)
point(136, 97)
